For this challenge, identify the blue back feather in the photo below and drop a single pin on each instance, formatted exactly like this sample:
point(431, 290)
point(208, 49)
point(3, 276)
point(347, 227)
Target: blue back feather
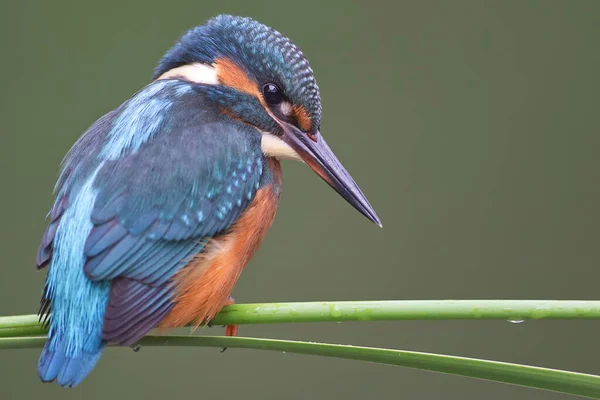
point(139, 195)
point(140, 119)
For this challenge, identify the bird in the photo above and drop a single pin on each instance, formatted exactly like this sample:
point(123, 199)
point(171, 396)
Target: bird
point(162, 202)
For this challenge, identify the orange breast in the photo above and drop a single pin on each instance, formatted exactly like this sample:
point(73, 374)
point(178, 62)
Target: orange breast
point(204, 285)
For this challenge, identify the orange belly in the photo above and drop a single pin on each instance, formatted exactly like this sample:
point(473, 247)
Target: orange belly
point(203, 286)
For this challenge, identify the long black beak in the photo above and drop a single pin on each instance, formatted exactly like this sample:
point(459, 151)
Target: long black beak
point(316, 153)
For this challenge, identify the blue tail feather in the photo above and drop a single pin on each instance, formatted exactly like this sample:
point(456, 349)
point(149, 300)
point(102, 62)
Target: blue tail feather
point(77, 303)
point(68, 371)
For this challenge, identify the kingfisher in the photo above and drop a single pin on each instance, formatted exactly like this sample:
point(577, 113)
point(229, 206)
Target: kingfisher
point(163, 201)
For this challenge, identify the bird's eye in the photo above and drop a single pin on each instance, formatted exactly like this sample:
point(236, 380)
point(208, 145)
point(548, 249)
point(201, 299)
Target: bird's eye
point(272, 94)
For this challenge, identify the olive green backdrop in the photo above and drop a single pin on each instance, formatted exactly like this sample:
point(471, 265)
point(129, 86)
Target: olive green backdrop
point(471, 126)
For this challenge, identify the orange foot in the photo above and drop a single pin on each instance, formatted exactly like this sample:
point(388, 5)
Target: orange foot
point(230, 330)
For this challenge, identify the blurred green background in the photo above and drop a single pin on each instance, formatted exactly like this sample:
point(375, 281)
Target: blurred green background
point(472, 126)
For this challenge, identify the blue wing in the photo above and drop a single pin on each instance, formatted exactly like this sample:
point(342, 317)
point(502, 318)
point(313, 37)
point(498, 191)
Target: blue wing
point(172, 172)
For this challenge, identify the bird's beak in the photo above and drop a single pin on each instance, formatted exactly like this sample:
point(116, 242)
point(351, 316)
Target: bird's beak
point(316, 153)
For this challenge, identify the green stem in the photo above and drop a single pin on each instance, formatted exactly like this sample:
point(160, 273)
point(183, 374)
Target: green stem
point(272, 313)
point(523, 375)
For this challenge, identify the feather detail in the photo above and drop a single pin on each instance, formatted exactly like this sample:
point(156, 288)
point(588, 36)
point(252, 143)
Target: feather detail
point(204, 285)
point(44, 253)
point(133, 309)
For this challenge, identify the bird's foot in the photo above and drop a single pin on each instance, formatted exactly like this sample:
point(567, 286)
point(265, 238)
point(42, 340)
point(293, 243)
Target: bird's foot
point(230, 330)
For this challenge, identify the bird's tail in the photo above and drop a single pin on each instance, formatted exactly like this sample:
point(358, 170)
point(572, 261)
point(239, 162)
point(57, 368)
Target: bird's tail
point(56, 363)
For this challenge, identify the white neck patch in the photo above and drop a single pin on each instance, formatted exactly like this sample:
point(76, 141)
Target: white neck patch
point(273, 146)
point(196, 72)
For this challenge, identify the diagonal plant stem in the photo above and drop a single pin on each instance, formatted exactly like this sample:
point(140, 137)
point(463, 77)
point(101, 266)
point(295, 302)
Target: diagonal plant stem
point(523, 375)
point(272, 313)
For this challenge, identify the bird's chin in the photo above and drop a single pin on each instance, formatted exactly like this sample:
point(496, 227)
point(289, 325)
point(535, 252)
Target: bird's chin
point(273, 146)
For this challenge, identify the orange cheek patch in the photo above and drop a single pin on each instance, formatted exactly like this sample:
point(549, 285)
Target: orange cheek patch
point(229, 74)
point(304, 121)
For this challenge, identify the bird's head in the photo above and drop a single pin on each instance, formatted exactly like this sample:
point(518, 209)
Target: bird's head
point(258, 76)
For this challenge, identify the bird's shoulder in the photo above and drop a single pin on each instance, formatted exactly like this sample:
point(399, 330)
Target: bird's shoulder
point(167, 167)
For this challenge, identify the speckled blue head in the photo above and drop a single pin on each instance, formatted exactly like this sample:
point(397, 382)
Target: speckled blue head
point(237, 59)
point(265, 54)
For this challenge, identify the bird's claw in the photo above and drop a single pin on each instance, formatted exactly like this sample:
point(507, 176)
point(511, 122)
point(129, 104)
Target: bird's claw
point(230, 330)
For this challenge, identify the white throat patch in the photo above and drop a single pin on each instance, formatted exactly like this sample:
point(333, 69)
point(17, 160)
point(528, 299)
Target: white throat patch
point(273, 146)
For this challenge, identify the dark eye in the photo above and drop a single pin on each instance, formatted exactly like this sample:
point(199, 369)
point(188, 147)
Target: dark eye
point(272, 94)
